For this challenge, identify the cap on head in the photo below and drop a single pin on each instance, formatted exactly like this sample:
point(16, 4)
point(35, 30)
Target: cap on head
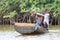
point(34, 11)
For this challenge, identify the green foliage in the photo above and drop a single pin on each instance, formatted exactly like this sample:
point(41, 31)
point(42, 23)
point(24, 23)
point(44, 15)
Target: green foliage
point(8, 6)
point(11, 14)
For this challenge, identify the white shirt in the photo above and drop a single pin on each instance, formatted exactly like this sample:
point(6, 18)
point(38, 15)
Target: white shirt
point(46, 18)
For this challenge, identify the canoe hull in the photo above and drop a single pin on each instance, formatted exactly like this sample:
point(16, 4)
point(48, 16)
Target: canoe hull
point(24, 30)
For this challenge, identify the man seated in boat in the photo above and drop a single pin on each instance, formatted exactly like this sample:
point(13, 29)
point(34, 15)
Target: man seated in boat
point(46, 18)
point(41, 19)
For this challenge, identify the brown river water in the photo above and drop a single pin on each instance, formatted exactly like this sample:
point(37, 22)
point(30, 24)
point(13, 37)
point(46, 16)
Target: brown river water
point(13, 35)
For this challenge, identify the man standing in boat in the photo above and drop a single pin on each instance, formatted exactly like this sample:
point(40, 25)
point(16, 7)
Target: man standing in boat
point(42, 20)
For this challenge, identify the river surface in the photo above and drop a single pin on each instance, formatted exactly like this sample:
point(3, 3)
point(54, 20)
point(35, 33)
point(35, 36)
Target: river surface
point(13, 35)
point(7, 32)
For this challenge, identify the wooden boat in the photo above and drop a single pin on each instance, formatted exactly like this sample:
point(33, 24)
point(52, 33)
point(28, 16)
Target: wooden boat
point(24, 28)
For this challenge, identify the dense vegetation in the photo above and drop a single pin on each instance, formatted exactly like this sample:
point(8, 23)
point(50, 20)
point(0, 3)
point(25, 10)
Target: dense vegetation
point(12, 7)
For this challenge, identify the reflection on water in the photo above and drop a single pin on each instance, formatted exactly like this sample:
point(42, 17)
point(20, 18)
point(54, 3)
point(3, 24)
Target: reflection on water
point(11, 27)
point(7, 28)
point(13, 35)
